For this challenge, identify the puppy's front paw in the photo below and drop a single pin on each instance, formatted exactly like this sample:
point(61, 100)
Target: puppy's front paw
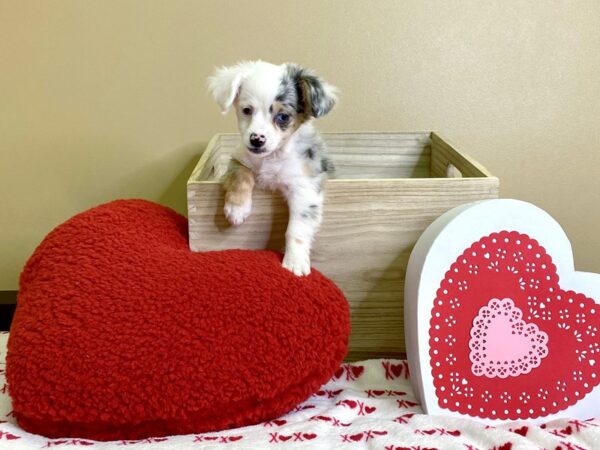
point(237, 214)
point(297, 262)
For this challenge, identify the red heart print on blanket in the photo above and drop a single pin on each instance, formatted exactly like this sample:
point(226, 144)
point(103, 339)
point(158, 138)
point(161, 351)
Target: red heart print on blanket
point(505, 340)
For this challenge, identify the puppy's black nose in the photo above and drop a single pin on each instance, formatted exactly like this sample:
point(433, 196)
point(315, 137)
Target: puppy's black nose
point(257, 140)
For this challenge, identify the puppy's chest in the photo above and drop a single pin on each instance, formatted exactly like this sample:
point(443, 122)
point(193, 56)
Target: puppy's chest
point(278, 174)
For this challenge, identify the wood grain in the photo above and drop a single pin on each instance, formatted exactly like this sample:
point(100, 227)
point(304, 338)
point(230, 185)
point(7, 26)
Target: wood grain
point(444, 154)
point(370, 223)
point(356, 155)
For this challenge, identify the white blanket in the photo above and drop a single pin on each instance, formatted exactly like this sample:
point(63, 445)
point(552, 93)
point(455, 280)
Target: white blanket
point(366, 405)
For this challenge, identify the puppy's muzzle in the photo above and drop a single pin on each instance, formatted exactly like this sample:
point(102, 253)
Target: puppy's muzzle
point(257, 141)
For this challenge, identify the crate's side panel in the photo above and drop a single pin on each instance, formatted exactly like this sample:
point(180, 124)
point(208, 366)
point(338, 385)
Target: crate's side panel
point(209, 229)
point(229, 141)
point(445, 156)
point(374, 163)
point(205, 166)
point(368, 232)
point(360, 155)
point(379, 155)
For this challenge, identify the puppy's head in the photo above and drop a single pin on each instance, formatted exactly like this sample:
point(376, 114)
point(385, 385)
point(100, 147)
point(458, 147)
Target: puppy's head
point(271, 102)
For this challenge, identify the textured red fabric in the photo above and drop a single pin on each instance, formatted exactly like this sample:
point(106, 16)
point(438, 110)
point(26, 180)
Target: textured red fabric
point(122, 333)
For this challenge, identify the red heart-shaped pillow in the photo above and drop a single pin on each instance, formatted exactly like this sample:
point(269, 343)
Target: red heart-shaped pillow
point(122, 333)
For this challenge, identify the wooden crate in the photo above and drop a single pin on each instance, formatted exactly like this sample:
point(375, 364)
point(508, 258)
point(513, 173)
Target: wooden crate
point(388, 188)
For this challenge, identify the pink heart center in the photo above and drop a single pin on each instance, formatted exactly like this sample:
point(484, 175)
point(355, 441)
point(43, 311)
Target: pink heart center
point(502, 344)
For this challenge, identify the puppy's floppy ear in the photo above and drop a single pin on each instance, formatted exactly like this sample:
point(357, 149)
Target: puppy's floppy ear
point(318, 96)
point(225, 84)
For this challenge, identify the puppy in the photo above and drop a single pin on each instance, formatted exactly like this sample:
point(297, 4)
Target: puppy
point(280, 148)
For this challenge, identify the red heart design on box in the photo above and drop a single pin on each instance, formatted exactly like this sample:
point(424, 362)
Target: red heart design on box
point(499, 325)
point(505, 340)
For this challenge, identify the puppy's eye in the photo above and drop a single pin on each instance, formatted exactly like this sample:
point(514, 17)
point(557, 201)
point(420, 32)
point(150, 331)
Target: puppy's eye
point(282, 118)
point(247, 110)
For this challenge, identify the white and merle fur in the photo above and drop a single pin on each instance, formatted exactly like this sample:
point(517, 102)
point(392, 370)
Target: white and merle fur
point(280, 148)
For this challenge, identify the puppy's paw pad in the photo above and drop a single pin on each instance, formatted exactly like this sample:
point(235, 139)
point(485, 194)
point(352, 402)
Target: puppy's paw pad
point(237, 214)
point(298, 264)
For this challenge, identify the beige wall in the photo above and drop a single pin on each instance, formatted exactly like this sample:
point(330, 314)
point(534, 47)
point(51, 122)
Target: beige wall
point(106, 99)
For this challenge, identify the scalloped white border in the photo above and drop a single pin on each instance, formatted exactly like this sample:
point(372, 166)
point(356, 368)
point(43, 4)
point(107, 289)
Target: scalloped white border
point(441, 244)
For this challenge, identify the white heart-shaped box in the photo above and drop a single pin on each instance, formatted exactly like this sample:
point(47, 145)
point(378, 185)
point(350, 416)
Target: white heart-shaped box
point(459, 310)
